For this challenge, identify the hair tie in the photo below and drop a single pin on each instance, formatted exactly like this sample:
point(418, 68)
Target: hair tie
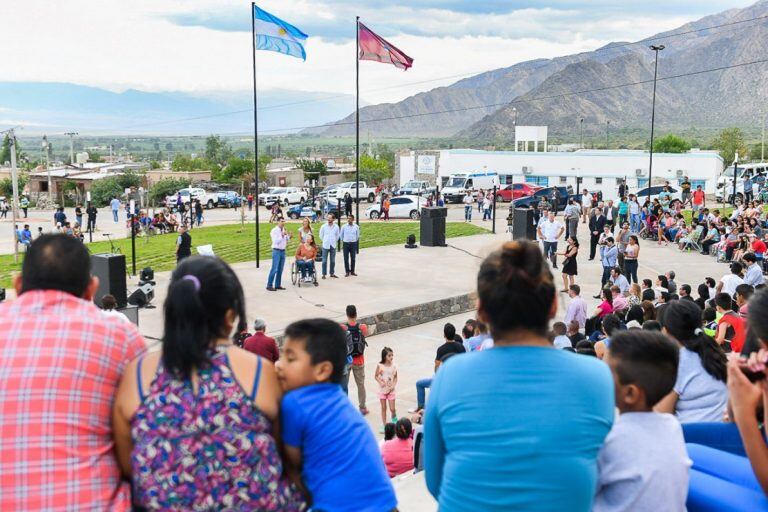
point(697, 331)
point(194, 279)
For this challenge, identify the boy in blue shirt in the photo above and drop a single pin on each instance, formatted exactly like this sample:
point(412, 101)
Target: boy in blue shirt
point(324, 435)
point(643, 465)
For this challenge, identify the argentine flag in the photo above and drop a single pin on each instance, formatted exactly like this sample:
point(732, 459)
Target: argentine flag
point(275, 35)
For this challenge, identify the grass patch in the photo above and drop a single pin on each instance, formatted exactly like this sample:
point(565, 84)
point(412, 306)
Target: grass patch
point(235, 243)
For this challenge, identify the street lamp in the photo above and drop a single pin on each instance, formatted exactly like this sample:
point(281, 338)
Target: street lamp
point(514, 124)
point(656, 49)
point(735, 164)
point(581, 132)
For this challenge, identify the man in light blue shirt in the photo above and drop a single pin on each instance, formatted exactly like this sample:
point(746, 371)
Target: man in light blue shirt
point(350, 239)
point(330, 234)
point(115, 205)
point(608, 258)
point(754, 274)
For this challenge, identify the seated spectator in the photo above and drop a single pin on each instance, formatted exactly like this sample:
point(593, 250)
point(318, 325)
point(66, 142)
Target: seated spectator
point(61, 364)
point(649, 310)
point(559, 331)
point(480, 335)
point(574, 333)
point(389, 434)
point(261, 344)
point(398, 453)
point(480, 393)
point(177, 434)
point(341, 467)
point(703, 291)
point(618, 280)
point(618, 301)
point(652, 325)
point(744, 292)
point(586, 347)
point(643, 465)
point(731, 328)
point(699, 393)
point(635, 317)
point(450, 346)
point(610, 326)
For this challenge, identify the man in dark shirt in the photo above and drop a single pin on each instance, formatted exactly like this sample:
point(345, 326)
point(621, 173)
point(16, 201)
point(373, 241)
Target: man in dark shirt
point(91, 212)
point(261, 344)
point(183, 244)
point(451, 346)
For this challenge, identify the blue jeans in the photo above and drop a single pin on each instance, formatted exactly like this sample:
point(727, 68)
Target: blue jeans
point(276, 272)
point(635, 223)
point(114, 214)
point(487, 214)
point(305, 267)
point(467, 212)
point(421, 391)
point(329, 254)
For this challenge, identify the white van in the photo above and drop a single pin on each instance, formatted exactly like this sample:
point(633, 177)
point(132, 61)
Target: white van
point(458, 185)
point(725, 181)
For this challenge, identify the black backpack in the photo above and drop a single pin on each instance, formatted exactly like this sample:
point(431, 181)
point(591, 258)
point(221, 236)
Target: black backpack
point(355, 340)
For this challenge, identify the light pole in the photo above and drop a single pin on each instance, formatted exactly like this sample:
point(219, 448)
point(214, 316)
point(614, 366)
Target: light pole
point(607, 128)
point(581, 133)
point(762, 143)
point(46, 148)
point(514, 125)
point(656, 49)
point(735, 163)
point(71, 147)
point(15, 190)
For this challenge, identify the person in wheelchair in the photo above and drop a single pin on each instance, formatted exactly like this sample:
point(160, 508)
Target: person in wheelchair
point(305, 258)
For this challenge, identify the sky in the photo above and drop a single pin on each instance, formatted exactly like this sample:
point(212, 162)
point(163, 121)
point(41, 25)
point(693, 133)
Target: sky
point(203, 46)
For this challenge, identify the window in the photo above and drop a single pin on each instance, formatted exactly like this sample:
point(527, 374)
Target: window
point(642, 182)
point(505, 179)
point(563, 179)
point(598, 181)
point(696, 183)
point(398, 200)
point(542, 181)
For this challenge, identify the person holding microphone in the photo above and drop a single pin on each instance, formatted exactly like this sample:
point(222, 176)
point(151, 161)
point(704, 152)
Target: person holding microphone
point(279, 242)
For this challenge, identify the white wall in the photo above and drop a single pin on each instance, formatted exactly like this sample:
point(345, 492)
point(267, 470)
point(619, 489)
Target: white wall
point(588, 165)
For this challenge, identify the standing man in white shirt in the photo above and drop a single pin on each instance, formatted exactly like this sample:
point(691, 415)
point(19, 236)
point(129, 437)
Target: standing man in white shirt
point(586, 205)
point(279, 242)
point(350, 240)
point(330, 234)
point(468, 200)
point(549, 231)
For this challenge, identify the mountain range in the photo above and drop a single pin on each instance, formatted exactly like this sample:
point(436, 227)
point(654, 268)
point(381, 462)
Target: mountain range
point(619, 78)
point(59, 107)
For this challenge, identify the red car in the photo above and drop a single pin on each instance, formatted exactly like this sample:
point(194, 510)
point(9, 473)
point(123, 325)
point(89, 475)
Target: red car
point(516, 191)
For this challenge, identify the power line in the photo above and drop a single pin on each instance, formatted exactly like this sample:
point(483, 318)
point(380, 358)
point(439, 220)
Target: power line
point(461, 75)
point(517, 101)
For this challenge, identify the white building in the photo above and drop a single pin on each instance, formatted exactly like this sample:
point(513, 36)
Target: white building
point(595, 169)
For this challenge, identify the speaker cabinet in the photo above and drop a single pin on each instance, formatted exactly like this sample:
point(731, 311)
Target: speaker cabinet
point(432, 227)
point(523, 227)
point(110, 269)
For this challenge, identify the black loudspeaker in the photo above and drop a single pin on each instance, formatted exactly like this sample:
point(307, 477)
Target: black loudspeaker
point(523, 227)
point(138, 298)
point(110, 269)
point(433, 226)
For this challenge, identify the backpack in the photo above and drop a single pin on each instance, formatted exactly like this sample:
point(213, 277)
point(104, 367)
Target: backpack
point(355, 340)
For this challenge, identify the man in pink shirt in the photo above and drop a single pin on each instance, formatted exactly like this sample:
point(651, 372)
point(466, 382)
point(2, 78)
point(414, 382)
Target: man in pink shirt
point(620, 302)
point(261, 344)
point(60, 366)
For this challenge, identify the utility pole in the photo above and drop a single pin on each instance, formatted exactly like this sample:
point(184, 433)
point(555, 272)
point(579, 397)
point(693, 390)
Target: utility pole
point(15, 199)
point(581, 133)
point(607, 129)
point(46, 148)
point(71, 147)
point(762, 143)
point(657, 49)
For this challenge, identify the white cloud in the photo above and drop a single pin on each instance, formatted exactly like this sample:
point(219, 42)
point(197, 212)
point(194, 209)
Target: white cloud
point(119, 45)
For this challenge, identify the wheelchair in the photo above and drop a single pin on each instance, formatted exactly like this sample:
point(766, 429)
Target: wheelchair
point(296, 278)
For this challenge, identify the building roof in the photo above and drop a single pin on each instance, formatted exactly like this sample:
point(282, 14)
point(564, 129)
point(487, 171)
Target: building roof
point(588, 153)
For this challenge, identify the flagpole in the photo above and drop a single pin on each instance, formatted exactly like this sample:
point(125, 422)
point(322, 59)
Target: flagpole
point(255, 130)
point(357, 119)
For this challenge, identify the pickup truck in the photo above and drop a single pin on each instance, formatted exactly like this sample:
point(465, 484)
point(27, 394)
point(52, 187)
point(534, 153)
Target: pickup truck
point(285, 196)
point(533, 200)
point(416, 188)
point(206, 199)
point(366, 192)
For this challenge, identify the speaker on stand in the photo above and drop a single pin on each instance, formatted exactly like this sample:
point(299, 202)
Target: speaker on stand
point(110, 269)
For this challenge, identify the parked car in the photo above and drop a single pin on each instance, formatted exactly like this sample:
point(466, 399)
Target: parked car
point(228, 199)
point(515, 191)
point(349, 187)
point(532, 201)
point(415, 188)
point(458, 185)
point(305, 209)
point(285, 196)
point(401, 207)
point(187, 194)
point(327, 190)
point(642, 194)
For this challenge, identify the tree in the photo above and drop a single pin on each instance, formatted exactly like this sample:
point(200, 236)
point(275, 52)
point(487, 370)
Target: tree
point(166, 187)
point(374, 170)
point(728, 142)
point(235, 169)
point(314, 168)
point(94, 156)
point(5, 151)
point(185, 163)
point(217, 150)
point(6, 186)
point(103, 190)
point(671, 144)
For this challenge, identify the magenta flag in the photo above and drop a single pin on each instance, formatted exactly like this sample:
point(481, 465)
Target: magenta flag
point(376, 48)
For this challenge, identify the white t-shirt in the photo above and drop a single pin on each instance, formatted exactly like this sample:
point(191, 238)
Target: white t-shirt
point(562, 341)
point(468, 199)
point(643, 465)
point(550, 230)
point(586, 200)
point(730, 282)
point(702, 398)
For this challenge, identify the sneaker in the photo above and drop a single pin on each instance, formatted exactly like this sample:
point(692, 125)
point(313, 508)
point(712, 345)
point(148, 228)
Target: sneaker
point(270, 289)
point(353, 274)
point(394, 419)
point(334, 276)
point(323, 276)
point(381, 430)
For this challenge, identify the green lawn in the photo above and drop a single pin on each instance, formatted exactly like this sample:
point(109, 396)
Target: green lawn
point(234, 243)
point(725, 212)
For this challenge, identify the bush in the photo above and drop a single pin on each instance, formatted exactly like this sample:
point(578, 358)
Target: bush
point(102, 191)
point(6, 186)
point(166, 187)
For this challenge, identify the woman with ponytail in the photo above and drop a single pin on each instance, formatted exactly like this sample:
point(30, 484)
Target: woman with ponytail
point(517, 426)
point(700, 393)
point(195, 422)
